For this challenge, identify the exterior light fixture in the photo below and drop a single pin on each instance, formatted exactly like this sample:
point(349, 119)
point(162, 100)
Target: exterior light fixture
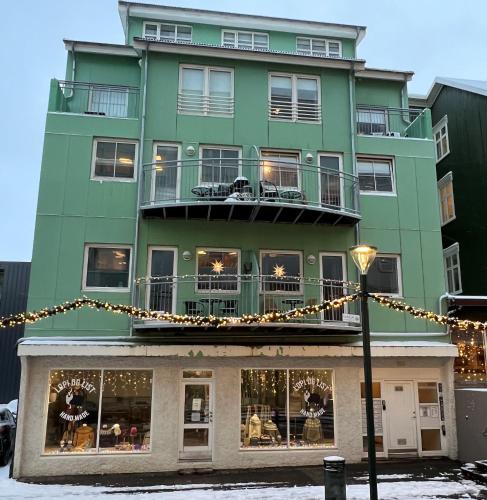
point(311, 259)
point(363, 256)
point(309, 157)
point(187, 255)
point(190, 150)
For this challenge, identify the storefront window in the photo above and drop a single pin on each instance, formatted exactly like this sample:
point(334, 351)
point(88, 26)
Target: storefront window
point(470, 366)
point(125, 411)
point(268, 422)
point(72, 415)
point(76, 423)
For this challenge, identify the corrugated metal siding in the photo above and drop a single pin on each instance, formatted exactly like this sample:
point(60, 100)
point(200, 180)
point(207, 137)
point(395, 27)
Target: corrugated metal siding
point(13, 300)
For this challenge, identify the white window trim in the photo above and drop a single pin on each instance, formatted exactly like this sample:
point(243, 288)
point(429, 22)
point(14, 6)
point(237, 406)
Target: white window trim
point(218, 292)
point(288, 418)
point(327, 46)
point(393, 175)
point(285, 151)
point(448, 252)
point(178, 171)
point(400, 293)
point(294, 96)
point(437, 128)
point(300, 291)
point(253, 33)
point(95, 177)
point(340, 177)
point(206, 88)
point(218, 147)
point(176, 26)
point(85, 288)
point(446, 179)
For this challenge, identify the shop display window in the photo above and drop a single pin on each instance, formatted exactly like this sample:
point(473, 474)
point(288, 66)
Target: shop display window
point(98, 411)
point(286, 409)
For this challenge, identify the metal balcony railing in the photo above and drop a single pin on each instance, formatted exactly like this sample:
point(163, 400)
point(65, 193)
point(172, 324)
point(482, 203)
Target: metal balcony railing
point(232, 295)
point(300, 111)
point(197, 104)
point(392, 122)
point(116, 101)
point(249, 181)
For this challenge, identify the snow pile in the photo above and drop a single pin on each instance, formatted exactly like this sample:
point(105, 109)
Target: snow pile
point(392, 490)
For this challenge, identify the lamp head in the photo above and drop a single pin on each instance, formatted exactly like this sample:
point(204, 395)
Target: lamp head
point(363, 256)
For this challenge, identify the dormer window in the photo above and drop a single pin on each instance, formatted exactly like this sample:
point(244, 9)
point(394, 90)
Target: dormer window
point(245, 40)
point(320, 47)
point(168, 32)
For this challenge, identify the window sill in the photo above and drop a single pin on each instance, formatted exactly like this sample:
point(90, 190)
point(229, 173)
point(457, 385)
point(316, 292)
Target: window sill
point(105, 289)
point(94, 453)
point(125, 180)
point(90, 116)
point(210, 115)
point(378, 193)
point(260, 449)
point(286, 120)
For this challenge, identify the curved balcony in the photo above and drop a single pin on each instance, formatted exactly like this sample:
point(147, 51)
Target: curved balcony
point(232, 295)
point(249, 190)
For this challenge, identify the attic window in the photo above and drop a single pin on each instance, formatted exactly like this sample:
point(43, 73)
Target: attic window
point(320, 47)
point(168, 32)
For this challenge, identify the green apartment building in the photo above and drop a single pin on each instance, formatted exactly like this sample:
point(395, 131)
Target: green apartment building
point(223, 164)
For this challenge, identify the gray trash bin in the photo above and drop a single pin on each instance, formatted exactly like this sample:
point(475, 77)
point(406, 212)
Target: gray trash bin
point(335, 484)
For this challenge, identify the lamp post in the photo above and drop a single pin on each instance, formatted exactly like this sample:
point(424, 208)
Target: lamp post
point(363, 256)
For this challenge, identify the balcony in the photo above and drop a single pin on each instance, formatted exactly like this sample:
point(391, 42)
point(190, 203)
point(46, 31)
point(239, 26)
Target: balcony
point(114, 101)
point(234, 295)
point(393, 122)
point(265, 190)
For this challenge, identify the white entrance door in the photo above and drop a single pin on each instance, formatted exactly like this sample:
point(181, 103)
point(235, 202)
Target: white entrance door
point(197, 420)
point(400, 410)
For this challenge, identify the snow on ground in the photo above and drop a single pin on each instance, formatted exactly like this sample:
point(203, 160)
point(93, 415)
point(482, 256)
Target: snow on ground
point(391, 490)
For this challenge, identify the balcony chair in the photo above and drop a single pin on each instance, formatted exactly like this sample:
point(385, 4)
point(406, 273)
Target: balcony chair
point(193, 308)
point(229, 307)
point(268, 190)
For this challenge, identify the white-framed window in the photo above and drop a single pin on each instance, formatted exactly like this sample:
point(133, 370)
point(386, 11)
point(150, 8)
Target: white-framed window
point(165, 181)
point(205, 90)
point(447, 202)
point(107, 267)
point(168, 32)
point(218, 270)
point(371, 120)
point(114, 159)
point(294, 97)
point(98, 411)
point(108, 100)
point(376, 175)
point(331, 184)
point(440, 135)
point(451, 259)
point(282, 271)
point(384, 276)
point(279, 171)
point(245, 40)
point(286, 408)
point(320, 47)
point(219, 164)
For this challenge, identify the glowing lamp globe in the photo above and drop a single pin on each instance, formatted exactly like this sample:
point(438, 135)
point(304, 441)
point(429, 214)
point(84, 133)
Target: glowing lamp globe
point(363, 256)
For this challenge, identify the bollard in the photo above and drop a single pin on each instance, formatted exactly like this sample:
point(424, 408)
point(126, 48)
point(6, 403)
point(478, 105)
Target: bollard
point(335, 484)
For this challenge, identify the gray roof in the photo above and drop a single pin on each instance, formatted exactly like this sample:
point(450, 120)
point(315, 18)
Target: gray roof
point(474, 86)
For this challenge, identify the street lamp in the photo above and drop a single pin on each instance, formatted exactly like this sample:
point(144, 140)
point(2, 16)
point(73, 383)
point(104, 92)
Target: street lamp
point(363, 256)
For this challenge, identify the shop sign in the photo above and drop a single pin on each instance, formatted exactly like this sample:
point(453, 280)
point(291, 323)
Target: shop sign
point(314, 402)
point(75, 391)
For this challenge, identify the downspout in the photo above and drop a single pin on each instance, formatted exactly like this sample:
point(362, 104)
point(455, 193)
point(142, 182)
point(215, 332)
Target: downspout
point(127, 24)
point(73, 70)
point(140, 179)
point(352, 129)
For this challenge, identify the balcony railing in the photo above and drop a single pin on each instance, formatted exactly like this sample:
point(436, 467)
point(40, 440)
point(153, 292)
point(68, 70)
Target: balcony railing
point(234, 295)
point(249, 183)
point(392, 122)
point(196, 104)
point(96, 99)
point(300, 111)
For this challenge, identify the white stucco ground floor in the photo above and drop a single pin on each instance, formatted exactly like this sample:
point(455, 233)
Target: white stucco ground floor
point(108, 406)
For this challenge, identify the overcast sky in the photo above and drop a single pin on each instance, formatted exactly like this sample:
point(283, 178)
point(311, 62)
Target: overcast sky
point(430, 37)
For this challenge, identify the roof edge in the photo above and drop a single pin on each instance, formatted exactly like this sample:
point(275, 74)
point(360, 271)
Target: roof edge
point(385, 74)
point(100, 48)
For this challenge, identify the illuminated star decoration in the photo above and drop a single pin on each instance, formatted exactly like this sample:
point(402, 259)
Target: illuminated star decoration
point(217, 266)
point(279, 271)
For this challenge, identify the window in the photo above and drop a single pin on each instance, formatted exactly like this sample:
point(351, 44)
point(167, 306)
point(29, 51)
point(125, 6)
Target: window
point(281, 271)
point(76, 423)
point(375, 175)
point(294, 98)
point(330, 180)
point(286, 409)
point(447, 204)
point(245, 40)
point(218, 270)
point(470, 365)
point(378, 424)
point(384, 275)
point(451, 257)
point(114, 159)
point(168, 32)
point(440, 135)
point(318, 47)
point(219, 165)
point(279, 170)
point(205, 91)
point(371, 121)
point(165, 172)
point(108, 100)
point(107, 267)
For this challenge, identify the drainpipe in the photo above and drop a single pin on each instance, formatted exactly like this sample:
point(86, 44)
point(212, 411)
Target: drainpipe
point(352, 129)
point(127, 24)
point(140, 178)
point(73, 70)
